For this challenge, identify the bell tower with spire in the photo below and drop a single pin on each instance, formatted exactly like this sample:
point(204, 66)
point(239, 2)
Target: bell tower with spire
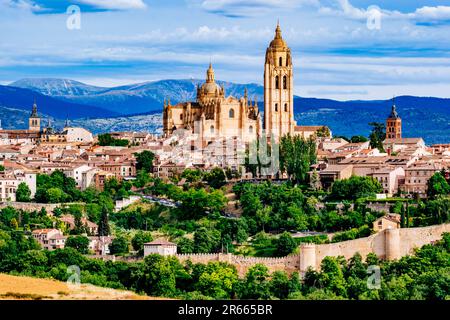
point(34, 122)
point(278, 88)
point(394, 124)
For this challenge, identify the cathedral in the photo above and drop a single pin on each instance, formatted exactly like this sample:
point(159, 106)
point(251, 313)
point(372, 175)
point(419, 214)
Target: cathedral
point(214, 115)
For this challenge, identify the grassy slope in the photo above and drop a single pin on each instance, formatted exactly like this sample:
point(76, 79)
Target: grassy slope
point(14, 287)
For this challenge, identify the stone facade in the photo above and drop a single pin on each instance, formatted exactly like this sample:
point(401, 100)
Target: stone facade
point(213, 115)
point(279, 88)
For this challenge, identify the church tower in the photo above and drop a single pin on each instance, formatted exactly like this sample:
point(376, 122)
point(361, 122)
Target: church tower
point(34, 122)
point(394, 124)
point(278, 88)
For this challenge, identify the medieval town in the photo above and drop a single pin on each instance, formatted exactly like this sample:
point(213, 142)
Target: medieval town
point(200, 190)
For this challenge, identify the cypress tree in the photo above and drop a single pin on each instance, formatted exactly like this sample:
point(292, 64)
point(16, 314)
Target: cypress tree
point(103, 226)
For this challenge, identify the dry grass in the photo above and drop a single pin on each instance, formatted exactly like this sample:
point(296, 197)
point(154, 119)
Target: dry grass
point(13, 287)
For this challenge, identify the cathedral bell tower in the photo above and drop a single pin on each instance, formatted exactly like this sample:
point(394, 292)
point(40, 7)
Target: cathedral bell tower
point(34, 122)
point(278, 88)
point(394, 124)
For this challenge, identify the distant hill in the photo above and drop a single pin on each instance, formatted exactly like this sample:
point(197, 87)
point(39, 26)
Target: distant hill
point(19, 98)
point(427, 117)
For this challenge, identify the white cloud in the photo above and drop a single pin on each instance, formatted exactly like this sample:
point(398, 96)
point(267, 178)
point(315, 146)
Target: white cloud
point(431, 14)
point(115, 4)
point(252, 7)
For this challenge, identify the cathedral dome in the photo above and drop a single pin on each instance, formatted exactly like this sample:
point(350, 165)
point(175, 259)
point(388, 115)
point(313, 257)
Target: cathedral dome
point(210, 86)
point(278, 41)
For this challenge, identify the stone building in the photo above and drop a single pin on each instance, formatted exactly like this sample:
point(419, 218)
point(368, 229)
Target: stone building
point(34, 122)
point(388, 221)
point(44, 134)
point(214, 115)
point(162, 247)
point(279, 88)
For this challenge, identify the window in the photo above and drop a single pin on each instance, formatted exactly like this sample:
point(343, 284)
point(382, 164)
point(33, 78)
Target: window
point(276, 107)
point(281, 61)
point(284, 82)
point(181, 116)
point(277, 82)
point(285, 107)
point(211, 129)
point(250, 129)
point(231, 113)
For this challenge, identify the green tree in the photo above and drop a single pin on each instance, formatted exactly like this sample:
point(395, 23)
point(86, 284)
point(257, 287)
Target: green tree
point(79, 243)
point(192, 175)
point(323, 132)
point(215, 178)
point(358, 139)
point(142, 179)
point(296, 157)
point(280, 285)
point(157, 276)
point(55, 195)
point(377, 135)
point(314, 182)
point(103, 225)
point(119, 245)
point(206, 241)
point(437, 185)
point(144, 161)
point(199, 203)
point(218, 280)
point(23, 193)
point(354, 188)
point(255, 285)
point(285, 245)
point(139, 239)
point(107, 140)
point(185, 245)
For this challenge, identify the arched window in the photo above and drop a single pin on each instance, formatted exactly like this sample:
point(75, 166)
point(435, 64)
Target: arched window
point(276, 107)
point(277, 82)
point(281, 61)
point(250, 129)
point(231, 113)
point(181, 116)
point(211, 129)
point(284, 82)
point(285, 107)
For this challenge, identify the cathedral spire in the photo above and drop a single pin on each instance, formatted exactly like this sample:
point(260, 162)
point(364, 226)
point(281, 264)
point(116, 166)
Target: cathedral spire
point(34, 110)
point(394, 114)
point(278, 31)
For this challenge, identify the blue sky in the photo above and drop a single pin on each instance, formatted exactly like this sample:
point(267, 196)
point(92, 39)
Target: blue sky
point(335, 54)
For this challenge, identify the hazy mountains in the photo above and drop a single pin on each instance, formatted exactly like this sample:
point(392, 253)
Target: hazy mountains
point(130, 99)
point(125, 107)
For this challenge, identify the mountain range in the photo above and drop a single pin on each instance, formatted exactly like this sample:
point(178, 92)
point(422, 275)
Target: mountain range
point(137, 107)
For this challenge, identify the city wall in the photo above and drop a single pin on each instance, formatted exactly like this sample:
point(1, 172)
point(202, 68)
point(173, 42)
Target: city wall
point(242, 264)
point(389, 244)
point(30, 206)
